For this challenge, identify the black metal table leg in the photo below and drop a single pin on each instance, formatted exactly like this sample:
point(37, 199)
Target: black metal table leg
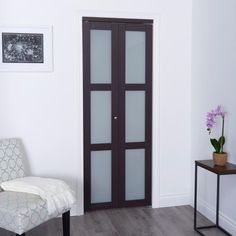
point(195, 199)
point(217, 200)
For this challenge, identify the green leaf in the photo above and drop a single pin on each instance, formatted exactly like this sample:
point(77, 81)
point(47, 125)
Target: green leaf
point(216, 145)
point(221, 142)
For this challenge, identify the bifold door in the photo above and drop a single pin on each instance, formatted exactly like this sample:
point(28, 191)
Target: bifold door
point(117, 58)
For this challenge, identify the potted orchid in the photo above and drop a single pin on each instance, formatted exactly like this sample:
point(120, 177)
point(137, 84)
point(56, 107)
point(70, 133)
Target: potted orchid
point(219, 156)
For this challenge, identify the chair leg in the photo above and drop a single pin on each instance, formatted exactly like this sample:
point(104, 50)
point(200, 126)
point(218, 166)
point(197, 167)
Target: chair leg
point(66, 223)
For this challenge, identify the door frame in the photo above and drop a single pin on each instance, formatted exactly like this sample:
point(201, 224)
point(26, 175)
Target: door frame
point(79, 14)
point(117, 146)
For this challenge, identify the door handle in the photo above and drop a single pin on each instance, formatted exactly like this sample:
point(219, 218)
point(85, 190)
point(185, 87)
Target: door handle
point(115, 117)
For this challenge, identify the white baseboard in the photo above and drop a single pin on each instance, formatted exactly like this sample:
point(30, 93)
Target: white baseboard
point(168, 200)
point(224, 221)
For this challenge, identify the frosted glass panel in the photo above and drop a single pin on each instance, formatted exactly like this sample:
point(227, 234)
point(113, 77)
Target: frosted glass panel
point(100, 117)
point(135, 116)
point(100, 176)
point(135, 174)
point(135, 57)
point(100, 56)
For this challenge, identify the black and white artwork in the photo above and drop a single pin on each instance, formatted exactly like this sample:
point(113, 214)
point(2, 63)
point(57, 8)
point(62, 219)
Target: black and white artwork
point(26, 48)
point(22, 48)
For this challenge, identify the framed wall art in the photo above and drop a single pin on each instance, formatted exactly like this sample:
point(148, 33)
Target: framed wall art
point(26, 49)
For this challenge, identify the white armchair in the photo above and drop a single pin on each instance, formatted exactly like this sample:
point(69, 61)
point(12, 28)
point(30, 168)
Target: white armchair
point(21, 212)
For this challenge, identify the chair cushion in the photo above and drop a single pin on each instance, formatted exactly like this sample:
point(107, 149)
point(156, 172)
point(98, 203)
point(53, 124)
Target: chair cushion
point(20, 212)
point(11, 155)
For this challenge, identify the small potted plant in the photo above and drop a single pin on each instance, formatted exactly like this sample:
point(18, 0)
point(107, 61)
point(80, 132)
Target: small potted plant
point(219, 156)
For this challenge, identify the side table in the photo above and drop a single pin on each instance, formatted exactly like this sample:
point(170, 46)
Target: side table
point(228, 169)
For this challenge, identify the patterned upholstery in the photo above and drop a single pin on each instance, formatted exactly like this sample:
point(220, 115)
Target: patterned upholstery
point(20, 212)
point(11, 155)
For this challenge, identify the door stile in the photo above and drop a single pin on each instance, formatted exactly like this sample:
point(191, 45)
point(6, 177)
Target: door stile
point(148, 133)
point(121, 94)
point(115, 115)
point(86, 117)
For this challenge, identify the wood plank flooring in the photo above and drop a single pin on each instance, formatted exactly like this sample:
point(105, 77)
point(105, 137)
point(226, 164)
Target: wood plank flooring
point(141, 221)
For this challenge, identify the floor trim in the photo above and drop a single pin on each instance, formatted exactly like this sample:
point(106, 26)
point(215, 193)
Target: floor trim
point(179, 199)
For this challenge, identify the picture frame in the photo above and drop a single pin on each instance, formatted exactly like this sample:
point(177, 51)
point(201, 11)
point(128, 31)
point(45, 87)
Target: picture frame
point(26, 49)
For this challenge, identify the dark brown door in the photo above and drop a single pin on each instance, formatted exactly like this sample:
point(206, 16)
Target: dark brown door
point(117, 58)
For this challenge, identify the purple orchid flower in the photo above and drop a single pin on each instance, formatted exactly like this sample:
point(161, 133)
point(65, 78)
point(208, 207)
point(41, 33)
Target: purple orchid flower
point(210, 122)
point(211, 116)
point(219, 112)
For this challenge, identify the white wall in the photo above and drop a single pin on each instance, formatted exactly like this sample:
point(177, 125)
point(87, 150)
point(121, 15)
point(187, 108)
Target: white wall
point(213, 83)
point(45, 109)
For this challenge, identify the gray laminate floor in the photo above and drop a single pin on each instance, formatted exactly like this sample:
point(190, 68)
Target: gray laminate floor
point(171, 221)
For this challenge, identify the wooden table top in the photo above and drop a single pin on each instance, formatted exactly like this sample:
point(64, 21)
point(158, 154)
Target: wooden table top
point(228, 169)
